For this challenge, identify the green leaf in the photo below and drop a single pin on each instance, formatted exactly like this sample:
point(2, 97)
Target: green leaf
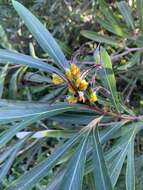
point(73, 118)
point(21, 59)
point(89, 167)
point(29, 179)
point(126, 13)
point(108, 78)
point(17, 112)
point(58, 178)
point(110, 26)
point(102, 179)
point(13, 84)
point(54, 94)
point(56, 181)
point(140, 12)
point(4, 42)
point(130, 172)
point(65, 48)
point(4, 155)
point(115, 164)
point(108, 13)
point(42, 35)
point(107, 133)
point(2, 79)
point(34, 77)
point(7, 135)
point(90, 181)
point(133, 61)
point(98, 38)
point(6, 166)
point(47, 133)
point(73, 177)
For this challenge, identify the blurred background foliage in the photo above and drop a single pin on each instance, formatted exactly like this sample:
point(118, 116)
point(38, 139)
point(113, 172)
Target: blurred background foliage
point(64, 19)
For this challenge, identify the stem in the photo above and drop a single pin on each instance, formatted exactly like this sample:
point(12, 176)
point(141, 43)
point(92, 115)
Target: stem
point(116, 115)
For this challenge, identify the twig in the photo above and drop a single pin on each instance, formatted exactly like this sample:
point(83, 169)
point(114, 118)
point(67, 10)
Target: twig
point(114, 57)
point(28, 147)
point(131, 90)
point(128, 50)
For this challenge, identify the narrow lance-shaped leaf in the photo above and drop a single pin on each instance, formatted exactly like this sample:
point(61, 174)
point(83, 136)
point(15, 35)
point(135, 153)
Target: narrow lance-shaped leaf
point(21, 59)
point(126, 12)
point(98, 38)
point(108, 12)
point(90, 181)
point(140, 12)
point(29, 179)
point(110, 17)
point(2, 79)
point(73, 177)
point(15, 113)
point(4, 155)
point(115, 164)
point(107, 133)
point(108, 78)
point(56, 183)
point(42, 35)
point(130, 172)
point(56, 180)
point(13, 87)
point(4, 42)
point(112, 27)
point(7, 135)
point(54, 94)
point(47, 133)
point(115, 157)
point(34, 77)
point(6, 166)
point(102, 179)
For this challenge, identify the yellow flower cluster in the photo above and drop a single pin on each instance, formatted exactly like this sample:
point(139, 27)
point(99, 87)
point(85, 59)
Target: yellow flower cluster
point(74, 75)
point(78, 87)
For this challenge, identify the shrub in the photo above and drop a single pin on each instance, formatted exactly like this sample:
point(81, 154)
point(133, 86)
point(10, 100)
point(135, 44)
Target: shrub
point(83, 112)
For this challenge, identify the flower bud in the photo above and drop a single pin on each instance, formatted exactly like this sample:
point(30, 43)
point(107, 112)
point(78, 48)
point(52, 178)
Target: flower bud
point(81, 84)
point(93, 97)
point(75, 71)
point(56, 79)
point(68, 74)
point(72, 99)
